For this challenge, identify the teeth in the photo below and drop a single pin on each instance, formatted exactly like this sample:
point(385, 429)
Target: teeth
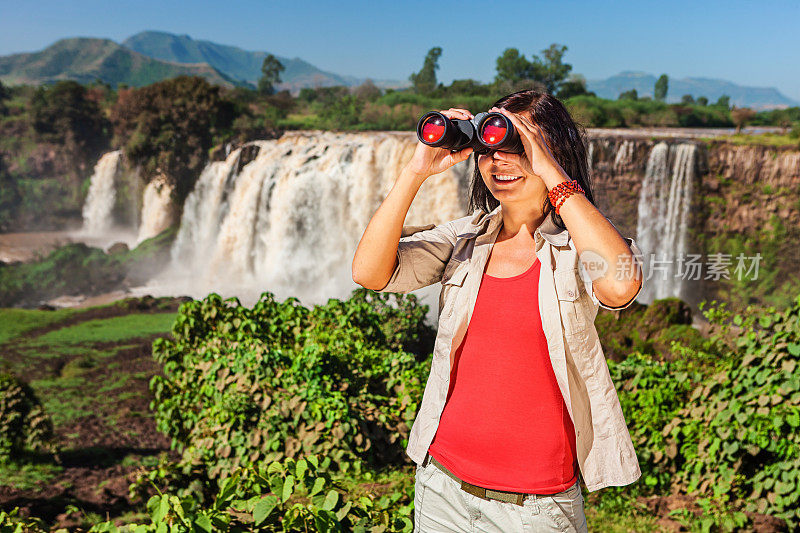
point(503, 177)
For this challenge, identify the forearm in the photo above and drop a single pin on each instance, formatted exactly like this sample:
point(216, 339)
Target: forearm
point(592, 232)
point(375, 257)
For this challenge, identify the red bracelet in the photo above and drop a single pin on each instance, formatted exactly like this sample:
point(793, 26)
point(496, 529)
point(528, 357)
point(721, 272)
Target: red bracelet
point(562, 191)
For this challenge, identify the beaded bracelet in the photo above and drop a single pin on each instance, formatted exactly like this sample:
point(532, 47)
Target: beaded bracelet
point(562, 191)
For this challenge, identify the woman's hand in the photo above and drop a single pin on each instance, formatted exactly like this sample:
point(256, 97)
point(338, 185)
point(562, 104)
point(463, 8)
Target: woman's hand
point(428, 160)
point(538, 160)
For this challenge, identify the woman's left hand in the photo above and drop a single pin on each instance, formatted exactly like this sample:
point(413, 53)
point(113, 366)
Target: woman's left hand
point(538, 160)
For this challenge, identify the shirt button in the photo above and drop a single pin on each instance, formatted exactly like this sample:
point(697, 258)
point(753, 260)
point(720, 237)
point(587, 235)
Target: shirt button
point(570, 294)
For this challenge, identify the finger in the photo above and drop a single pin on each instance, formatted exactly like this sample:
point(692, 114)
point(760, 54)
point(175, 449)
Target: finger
point(465, 111)
point(457, 113)
point(459, 156)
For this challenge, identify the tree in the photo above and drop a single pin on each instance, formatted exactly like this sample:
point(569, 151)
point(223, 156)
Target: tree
point(512, 66)
point(425, 80)
point(741, 116)
point(271, 70)
point(168, 128)
point(550, 71)
point(575, 86)
point(724, 100)
point(64, 114)
point(701, 100)
point(628, 95)
point(367, 91)
point(662, 86)
point(4, 95)
point(687, 99)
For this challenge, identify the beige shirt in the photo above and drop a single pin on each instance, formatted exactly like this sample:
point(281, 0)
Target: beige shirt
point(455, 253)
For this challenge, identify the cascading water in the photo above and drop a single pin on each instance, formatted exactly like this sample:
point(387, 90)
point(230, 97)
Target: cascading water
point(664, 217)
point(289, 221)
point(98, 209)
point(158, 209)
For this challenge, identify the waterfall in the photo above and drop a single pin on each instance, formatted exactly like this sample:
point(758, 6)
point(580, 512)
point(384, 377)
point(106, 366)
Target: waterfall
point(289, 220)
point(98, 209)
point(664, 217)
point(158, 209)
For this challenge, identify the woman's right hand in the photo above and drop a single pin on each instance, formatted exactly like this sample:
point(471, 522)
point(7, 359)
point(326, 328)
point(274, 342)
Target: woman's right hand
point(428, 160)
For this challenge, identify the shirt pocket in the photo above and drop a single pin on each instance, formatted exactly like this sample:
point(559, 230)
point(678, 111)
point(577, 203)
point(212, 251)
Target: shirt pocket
point(570, 300)
point(453, 278)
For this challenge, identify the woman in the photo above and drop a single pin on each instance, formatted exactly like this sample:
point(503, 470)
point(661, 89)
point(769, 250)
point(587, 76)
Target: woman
point(519, 404)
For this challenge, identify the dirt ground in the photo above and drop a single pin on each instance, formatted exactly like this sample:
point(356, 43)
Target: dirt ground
point(99, 453)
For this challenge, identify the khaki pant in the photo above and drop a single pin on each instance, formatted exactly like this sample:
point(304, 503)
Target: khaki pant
point(441, 506)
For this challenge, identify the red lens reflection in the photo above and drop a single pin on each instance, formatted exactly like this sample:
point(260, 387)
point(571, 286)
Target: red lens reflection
point(494, 130)
point(433, 129)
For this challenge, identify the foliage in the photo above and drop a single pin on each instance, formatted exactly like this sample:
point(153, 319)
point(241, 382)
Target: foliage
point(23, 423)
point(65, 114)
point(737, 435)
point(550, 71)
point(80, 269)
point(661, 88)
point(271, 70)
point(425, 80)
point(167, 128)
point(244, 385)
point(289, 495)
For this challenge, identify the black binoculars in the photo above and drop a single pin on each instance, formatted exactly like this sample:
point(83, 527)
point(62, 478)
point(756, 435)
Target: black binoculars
point(485, 133)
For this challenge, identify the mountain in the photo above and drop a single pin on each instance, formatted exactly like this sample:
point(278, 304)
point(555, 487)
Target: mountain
point(644, 83)
point(236, 62)
point(87, 59)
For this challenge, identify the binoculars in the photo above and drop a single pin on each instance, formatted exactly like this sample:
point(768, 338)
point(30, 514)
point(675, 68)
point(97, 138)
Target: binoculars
point(485, 133)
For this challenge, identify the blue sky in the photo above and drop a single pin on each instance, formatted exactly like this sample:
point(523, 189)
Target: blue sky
point(747, 42)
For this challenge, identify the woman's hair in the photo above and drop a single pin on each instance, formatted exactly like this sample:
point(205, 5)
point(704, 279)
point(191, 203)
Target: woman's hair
point(567, 141)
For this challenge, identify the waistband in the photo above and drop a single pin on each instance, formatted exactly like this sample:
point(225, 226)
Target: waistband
point(517, 498)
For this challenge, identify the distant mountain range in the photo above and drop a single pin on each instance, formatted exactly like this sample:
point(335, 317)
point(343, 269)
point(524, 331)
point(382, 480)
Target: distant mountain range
point(151, 56)
point(87, 59)
point(644, 83)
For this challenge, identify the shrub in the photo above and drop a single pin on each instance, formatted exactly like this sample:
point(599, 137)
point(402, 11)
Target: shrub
point(243, 385)
point(24, 426)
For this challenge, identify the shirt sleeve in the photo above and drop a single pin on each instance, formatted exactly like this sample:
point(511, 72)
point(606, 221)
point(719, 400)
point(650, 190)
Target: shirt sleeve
point(590, 286)
point(422, 254)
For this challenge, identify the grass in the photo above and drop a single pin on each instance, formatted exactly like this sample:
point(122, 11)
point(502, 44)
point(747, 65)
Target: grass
point(760, 139)
point(115, 329)
point(15, 322)
point(66, 393)
point(27, 475)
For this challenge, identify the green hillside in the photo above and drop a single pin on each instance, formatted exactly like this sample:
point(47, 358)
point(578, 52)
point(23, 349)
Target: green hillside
point(235, 62)
point(87, 59)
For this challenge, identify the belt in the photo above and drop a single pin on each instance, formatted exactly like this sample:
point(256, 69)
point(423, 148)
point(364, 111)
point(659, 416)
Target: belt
point(516, 498)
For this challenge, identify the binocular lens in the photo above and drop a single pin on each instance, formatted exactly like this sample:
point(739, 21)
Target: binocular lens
point(433, 129)
point(494, 130)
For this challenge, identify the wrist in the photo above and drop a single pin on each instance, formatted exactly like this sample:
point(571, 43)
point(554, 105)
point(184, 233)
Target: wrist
point(409, 173)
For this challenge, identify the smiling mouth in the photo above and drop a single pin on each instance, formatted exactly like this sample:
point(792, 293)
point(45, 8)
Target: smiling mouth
point(504, 178)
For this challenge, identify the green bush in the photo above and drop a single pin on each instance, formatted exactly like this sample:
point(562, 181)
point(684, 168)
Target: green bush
point(737, 435)
point(244, 385)
point(24, 426)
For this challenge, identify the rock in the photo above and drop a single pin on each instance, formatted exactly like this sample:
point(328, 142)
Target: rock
point(118, 248)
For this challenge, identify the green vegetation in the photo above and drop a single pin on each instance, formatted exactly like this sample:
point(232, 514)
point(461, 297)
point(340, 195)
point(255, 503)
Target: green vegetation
point(296, 419)
point(24, 425)
point(167, 128)
point(80, 269)
point(242, 386)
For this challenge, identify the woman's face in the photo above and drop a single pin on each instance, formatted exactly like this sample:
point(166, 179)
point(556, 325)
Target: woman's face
point(524, 188)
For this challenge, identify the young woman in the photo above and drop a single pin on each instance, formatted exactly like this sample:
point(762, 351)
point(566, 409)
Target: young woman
point(519, 405)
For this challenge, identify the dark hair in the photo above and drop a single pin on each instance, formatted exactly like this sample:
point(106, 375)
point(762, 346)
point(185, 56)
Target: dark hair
point(567, 141)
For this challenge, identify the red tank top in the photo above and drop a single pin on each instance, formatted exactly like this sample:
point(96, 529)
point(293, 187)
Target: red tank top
point(505, 425)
